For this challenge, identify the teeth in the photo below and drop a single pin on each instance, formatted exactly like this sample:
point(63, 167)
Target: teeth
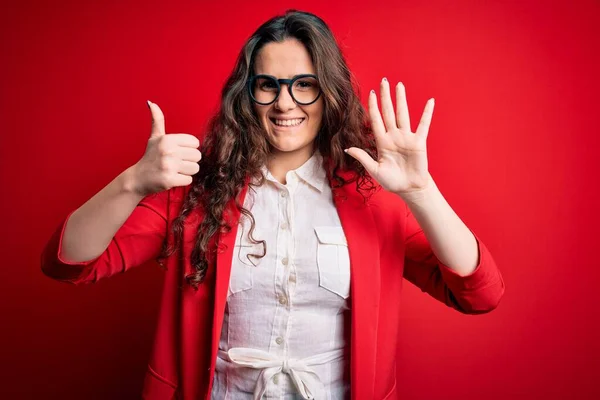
point(288, 122)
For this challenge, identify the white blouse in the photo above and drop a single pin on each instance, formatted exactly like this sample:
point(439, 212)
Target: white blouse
point(283, 334)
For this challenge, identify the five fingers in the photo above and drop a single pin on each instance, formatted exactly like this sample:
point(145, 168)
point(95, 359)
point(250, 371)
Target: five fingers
point(388, 120)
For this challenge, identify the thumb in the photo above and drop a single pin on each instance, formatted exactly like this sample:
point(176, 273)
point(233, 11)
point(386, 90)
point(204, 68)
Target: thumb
point(364, 158)
point(158, 120)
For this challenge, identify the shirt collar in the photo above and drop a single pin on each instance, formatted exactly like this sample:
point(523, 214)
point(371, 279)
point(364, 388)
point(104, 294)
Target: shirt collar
point(311, 172)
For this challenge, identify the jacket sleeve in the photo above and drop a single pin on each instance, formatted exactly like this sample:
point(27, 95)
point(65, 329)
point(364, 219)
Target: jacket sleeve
point(476, 293)
point(136, 242)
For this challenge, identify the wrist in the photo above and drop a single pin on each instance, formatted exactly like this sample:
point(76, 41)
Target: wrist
point(422, 195)
point(129, 182)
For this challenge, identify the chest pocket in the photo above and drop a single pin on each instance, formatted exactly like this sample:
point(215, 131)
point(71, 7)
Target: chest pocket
point(333, 260)
point(244, 263)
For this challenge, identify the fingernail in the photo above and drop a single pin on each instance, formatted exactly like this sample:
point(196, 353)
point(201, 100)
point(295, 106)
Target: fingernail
point(345, 150)
point(148, 103)
point(384, 79)
point(372, 91)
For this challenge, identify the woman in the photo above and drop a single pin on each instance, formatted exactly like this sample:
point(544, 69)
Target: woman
point(286, 246)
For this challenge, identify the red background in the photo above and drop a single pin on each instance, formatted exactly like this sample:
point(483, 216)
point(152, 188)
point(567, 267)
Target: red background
point(511, 146)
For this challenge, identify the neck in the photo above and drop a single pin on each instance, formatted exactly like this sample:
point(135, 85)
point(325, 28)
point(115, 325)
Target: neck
point(280, 163)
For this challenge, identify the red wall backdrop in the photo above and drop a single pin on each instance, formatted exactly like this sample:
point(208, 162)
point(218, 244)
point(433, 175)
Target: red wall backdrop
point(512, 146)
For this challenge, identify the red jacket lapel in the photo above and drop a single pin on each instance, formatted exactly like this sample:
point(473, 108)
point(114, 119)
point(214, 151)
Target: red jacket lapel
point(223, 272)
point(361, 234)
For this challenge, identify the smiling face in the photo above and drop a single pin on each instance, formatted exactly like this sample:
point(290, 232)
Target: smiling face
point(290, 128)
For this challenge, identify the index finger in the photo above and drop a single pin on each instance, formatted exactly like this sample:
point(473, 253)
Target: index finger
point(185, 140)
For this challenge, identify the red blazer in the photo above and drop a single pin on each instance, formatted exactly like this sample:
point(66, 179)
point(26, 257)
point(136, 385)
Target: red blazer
point(385, 244)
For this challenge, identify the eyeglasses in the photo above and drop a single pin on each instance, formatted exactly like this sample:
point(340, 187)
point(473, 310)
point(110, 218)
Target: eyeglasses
point(265, 89)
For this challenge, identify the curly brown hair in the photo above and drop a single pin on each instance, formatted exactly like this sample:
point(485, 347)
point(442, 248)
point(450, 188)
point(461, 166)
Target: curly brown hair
point(235, 146)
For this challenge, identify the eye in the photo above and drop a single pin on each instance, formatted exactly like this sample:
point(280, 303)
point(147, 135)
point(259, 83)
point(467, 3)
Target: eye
point(307, 84)
point(267, 85)
point(304, 84)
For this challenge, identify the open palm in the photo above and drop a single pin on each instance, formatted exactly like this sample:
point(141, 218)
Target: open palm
point(402, 155)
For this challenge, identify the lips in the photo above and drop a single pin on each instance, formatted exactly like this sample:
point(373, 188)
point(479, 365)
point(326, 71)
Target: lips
point(287, 122)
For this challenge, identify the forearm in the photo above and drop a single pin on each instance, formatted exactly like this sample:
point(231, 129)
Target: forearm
point(92, 226)
point(451, 240)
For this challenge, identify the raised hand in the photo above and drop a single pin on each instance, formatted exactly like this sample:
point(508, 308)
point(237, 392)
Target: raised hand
point(402, 155)
point(169, 161)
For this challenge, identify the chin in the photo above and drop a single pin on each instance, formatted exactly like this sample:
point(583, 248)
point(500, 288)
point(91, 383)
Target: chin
point(285, 146)
point(285, 142)
point(282, 148)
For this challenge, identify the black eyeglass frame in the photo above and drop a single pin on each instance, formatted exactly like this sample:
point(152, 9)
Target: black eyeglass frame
point(289, 82)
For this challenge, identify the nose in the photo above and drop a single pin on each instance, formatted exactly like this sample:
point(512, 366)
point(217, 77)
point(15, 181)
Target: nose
point(285, 102)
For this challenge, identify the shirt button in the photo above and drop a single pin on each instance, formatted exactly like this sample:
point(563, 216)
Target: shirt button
point(276, 379)
point(284, 261)
point(282, 300)
point(279, 340)
point(283, 194)
point(284, 226)
point(292, 278)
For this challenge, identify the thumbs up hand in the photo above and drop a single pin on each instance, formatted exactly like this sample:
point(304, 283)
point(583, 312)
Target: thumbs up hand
point(169, 161)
